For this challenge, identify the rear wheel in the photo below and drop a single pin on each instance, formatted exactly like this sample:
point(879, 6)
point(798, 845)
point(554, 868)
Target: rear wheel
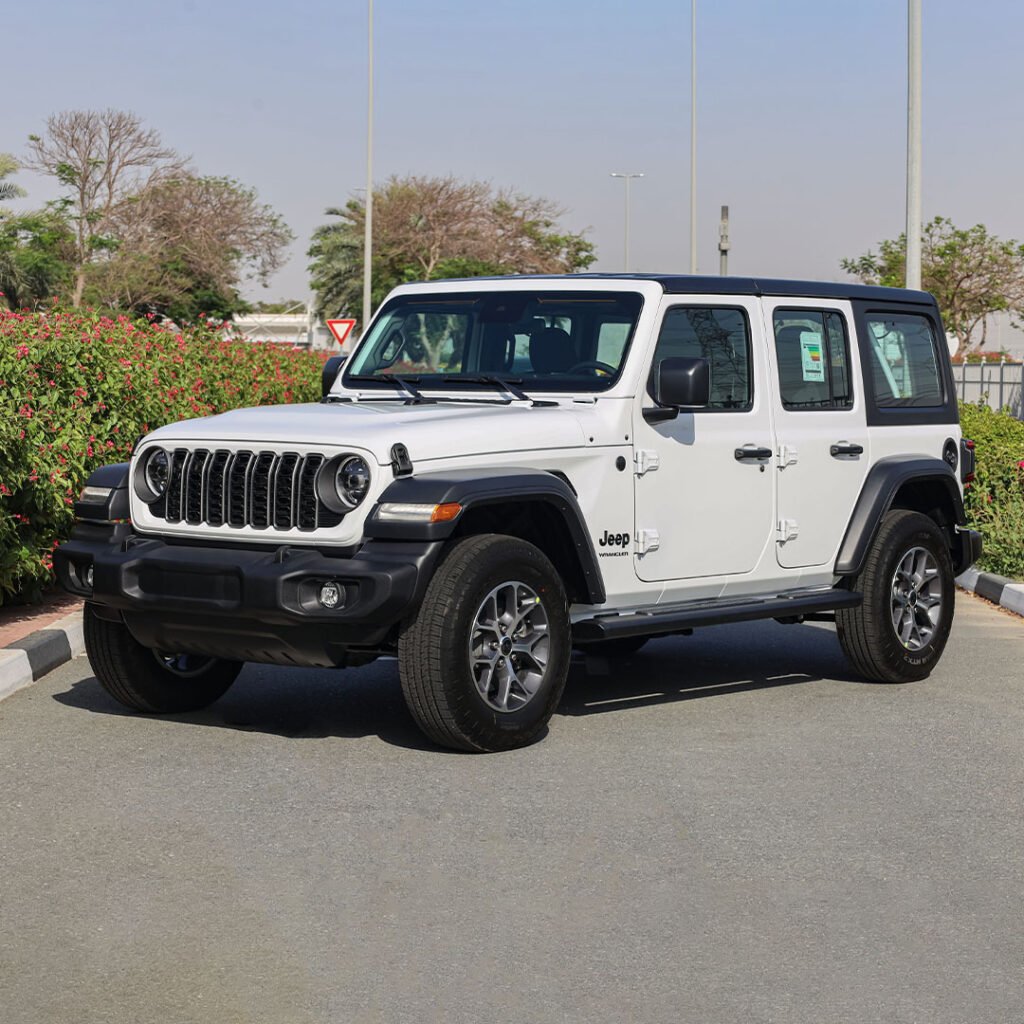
point(899, 632)
point(484, 662)
point(155, 682)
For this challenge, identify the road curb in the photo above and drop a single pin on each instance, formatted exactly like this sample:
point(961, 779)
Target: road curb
point(997, 589)
point(29, 659)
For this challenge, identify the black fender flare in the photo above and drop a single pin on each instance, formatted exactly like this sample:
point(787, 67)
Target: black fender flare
point(114, 505)
point(883, 482)
point(475, 488)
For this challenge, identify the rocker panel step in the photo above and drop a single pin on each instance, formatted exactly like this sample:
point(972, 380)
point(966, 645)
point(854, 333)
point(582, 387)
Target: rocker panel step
point(661, 621)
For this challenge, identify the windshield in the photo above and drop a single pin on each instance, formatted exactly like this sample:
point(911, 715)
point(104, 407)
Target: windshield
point(547, 341)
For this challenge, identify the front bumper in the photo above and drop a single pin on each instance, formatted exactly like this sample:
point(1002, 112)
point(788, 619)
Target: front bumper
point(243, 603)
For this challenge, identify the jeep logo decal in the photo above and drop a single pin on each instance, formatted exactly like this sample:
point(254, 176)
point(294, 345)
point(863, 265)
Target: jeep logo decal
point(614, 540)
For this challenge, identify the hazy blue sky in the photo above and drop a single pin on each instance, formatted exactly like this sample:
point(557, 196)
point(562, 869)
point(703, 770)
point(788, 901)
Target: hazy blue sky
point(801, 109)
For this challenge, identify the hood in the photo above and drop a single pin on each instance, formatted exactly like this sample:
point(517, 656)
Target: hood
point(428, 431)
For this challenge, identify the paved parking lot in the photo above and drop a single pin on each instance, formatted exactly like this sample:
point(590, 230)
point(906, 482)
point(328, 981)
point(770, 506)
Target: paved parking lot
point(727, 827)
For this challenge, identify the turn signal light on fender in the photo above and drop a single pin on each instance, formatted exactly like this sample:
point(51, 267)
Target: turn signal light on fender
point(414, 512)
point(445, 513)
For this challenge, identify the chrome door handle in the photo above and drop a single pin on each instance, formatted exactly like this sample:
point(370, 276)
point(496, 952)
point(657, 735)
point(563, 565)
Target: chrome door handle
point(837, 451)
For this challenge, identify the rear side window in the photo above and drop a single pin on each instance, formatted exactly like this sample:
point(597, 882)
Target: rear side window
point(904, 363)
point(722, 337)
point(813, 355)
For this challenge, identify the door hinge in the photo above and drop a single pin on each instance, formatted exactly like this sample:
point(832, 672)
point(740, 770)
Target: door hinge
point(788, 455)
point(788, 529)
point(645, 460)
point(647, 540)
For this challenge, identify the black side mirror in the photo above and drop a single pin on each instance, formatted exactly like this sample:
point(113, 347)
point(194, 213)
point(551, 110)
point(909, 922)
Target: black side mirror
point(330, 373)
point(683, 382)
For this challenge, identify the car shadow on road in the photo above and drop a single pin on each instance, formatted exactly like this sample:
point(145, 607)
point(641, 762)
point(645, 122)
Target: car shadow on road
point(711, 663)
point(316, 704)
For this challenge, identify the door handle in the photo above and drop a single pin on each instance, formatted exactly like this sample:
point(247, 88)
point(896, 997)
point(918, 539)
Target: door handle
point(837, 451)
point(752, 453)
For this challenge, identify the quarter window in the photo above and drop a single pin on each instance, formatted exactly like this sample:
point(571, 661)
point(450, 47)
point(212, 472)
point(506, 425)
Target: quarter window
point(719, 335)
point(904, 365)
point(813, 355)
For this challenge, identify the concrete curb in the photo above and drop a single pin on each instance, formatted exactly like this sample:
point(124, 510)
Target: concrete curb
point(997, 589)
point(29, 659)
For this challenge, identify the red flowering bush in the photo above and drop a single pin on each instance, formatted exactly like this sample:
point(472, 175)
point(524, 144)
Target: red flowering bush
point(76, 391)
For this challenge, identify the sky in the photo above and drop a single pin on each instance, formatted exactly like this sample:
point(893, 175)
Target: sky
point(801, 111)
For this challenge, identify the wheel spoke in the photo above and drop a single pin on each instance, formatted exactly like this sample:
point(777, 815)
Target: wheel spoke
point(508, 646)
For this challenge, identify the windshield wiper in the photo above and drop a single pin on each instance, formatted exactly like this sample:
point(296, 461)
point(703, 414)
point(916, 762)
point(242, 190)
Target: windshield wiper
point(409, 393)
point(508, 385)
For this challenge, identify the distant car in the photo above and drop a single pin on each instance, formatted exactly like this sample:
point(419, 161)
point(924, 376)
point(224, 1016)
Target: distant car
point(509, 467)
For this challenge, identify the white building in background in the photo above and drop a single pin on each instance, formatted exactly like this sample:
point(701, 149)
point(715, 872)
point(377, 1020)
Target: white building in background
point(302, 329)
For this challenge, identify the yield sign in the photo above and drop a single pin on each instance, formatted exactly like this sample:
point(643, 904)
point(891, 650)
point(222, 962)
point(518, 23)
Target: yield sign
point(341, 329)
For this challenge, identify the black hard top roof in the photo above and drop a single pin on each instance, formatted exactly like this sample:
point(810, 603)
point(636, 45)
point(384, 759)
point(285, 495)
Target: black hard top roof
point(692, 284)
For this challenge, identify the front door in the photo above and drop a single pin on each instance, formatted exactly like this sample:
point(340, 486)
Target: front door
point(704, 486)
point(820, 427)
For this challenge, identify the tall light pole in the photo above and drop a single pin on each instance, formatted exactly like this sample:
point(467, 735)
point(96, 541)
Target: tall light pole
point(627, 176)
point(368, 208)
point(693, 136)
point(913, 144)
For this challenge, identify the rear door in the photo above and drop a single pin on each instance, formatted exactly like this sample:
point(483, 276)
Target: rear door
point(821, 430)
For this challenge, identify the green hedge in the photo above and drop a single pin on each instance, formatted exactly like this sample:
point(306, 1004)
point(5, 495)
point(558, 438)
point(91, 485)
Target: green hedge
point(995, 502)
point(77, 389)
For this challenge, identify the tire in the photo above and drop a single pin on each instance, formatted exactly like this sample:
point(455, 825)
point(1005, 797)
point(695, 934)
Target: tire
point(142, 679)
point(621, 647)
point(924, 610)
point(457, 701)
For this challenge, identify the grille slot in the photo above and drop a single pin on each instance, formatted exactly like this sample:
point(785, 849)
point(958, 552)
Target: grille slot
point(263, 490)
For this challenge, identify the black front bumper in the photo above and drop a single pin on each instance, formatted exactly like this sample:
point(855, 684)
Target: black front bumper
point(244, 603)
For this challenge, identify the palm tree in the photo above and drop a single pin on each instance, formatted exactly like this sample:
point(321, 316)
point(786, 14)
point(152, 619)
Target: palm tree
point(8, 190)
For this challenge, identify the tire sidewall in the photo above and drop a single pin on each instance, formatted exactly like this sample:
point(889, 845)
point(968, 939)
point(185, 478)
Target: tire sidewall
point(920, 532)
point(513, 560)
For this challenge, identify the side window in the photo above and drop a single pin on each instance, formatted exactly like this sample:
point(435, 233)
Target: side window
point(722, 337)
point(813, 354)
point(904, 365)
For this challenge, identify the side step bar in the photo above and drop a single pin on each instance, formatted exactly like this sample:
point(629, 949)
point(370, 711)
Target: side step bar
point(674, 619)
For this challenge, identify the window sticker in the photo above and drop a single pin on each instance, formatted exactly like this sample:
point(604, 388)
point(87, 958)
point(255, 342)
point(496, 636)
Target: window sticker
point(812, 358)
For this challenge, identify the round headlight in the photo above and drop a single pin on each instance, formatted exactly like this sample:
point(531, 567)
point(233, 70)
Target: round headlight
point(156, 471)
point(352, 480)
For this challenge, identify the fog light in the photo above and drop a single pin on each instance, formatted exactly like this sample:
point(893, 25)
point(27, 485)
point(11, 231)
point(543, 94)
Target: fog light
point(88, 576)
point(332, 595)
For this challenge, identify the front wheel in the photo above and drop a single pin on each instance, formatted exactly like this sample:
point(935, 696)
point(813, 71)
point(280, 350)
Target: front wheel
point(899, 632)
point(484, 662)
point(155, 682)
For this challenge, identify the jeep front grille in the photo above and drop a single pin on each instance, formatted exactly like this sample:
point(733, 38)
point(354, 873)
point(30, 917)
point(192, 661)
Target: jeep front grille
point(265, 490)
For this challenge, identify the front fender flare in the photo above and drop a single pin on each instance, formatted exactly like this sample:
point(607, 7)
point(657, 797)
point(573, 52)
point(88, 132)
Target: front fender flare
point(473, 488)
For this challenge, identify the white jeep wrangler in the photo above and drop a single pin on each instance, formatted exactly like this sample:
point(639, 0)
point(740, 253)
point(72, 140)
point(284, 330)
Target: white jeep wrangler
point(507, 468)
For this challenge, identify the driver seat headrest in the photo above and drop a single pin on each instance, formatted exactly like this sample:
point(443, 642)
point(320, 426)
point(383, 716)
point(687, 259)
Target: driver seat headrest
point(551, 350)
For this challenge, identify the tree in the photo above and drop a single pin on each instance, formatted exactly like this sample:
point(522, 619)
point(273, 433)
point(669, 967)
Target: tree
point(8, 190)
point(429, 228)
point(35, 254)
point(971, 273)
point(102, 158)
point(181, 246)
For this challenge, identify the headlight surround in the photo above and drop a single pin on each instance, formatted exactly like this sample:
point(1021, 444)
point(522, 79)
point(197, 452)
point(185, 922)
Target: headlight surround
point(344, 482)
point(352, 480)
point(152, 475)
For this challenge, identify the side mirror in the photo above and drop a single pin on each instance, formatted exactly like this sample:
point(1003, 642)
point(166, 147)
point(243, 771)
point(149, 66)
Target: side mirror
point(683, 382)
point(330, 373)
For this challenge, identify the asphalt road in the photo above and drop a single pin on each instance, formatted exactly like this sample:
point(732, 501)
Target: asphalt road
point(727, 827)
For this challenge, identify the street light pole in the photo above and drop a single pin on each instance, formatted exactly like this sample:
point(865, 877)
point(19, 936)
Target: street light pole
point(368, 206)
point(913, 144)
point(627, 176)
point(693, 136)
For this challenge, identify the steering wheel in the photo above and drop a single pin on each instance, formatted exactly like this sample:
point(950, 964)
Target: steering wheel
point(594, 364)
